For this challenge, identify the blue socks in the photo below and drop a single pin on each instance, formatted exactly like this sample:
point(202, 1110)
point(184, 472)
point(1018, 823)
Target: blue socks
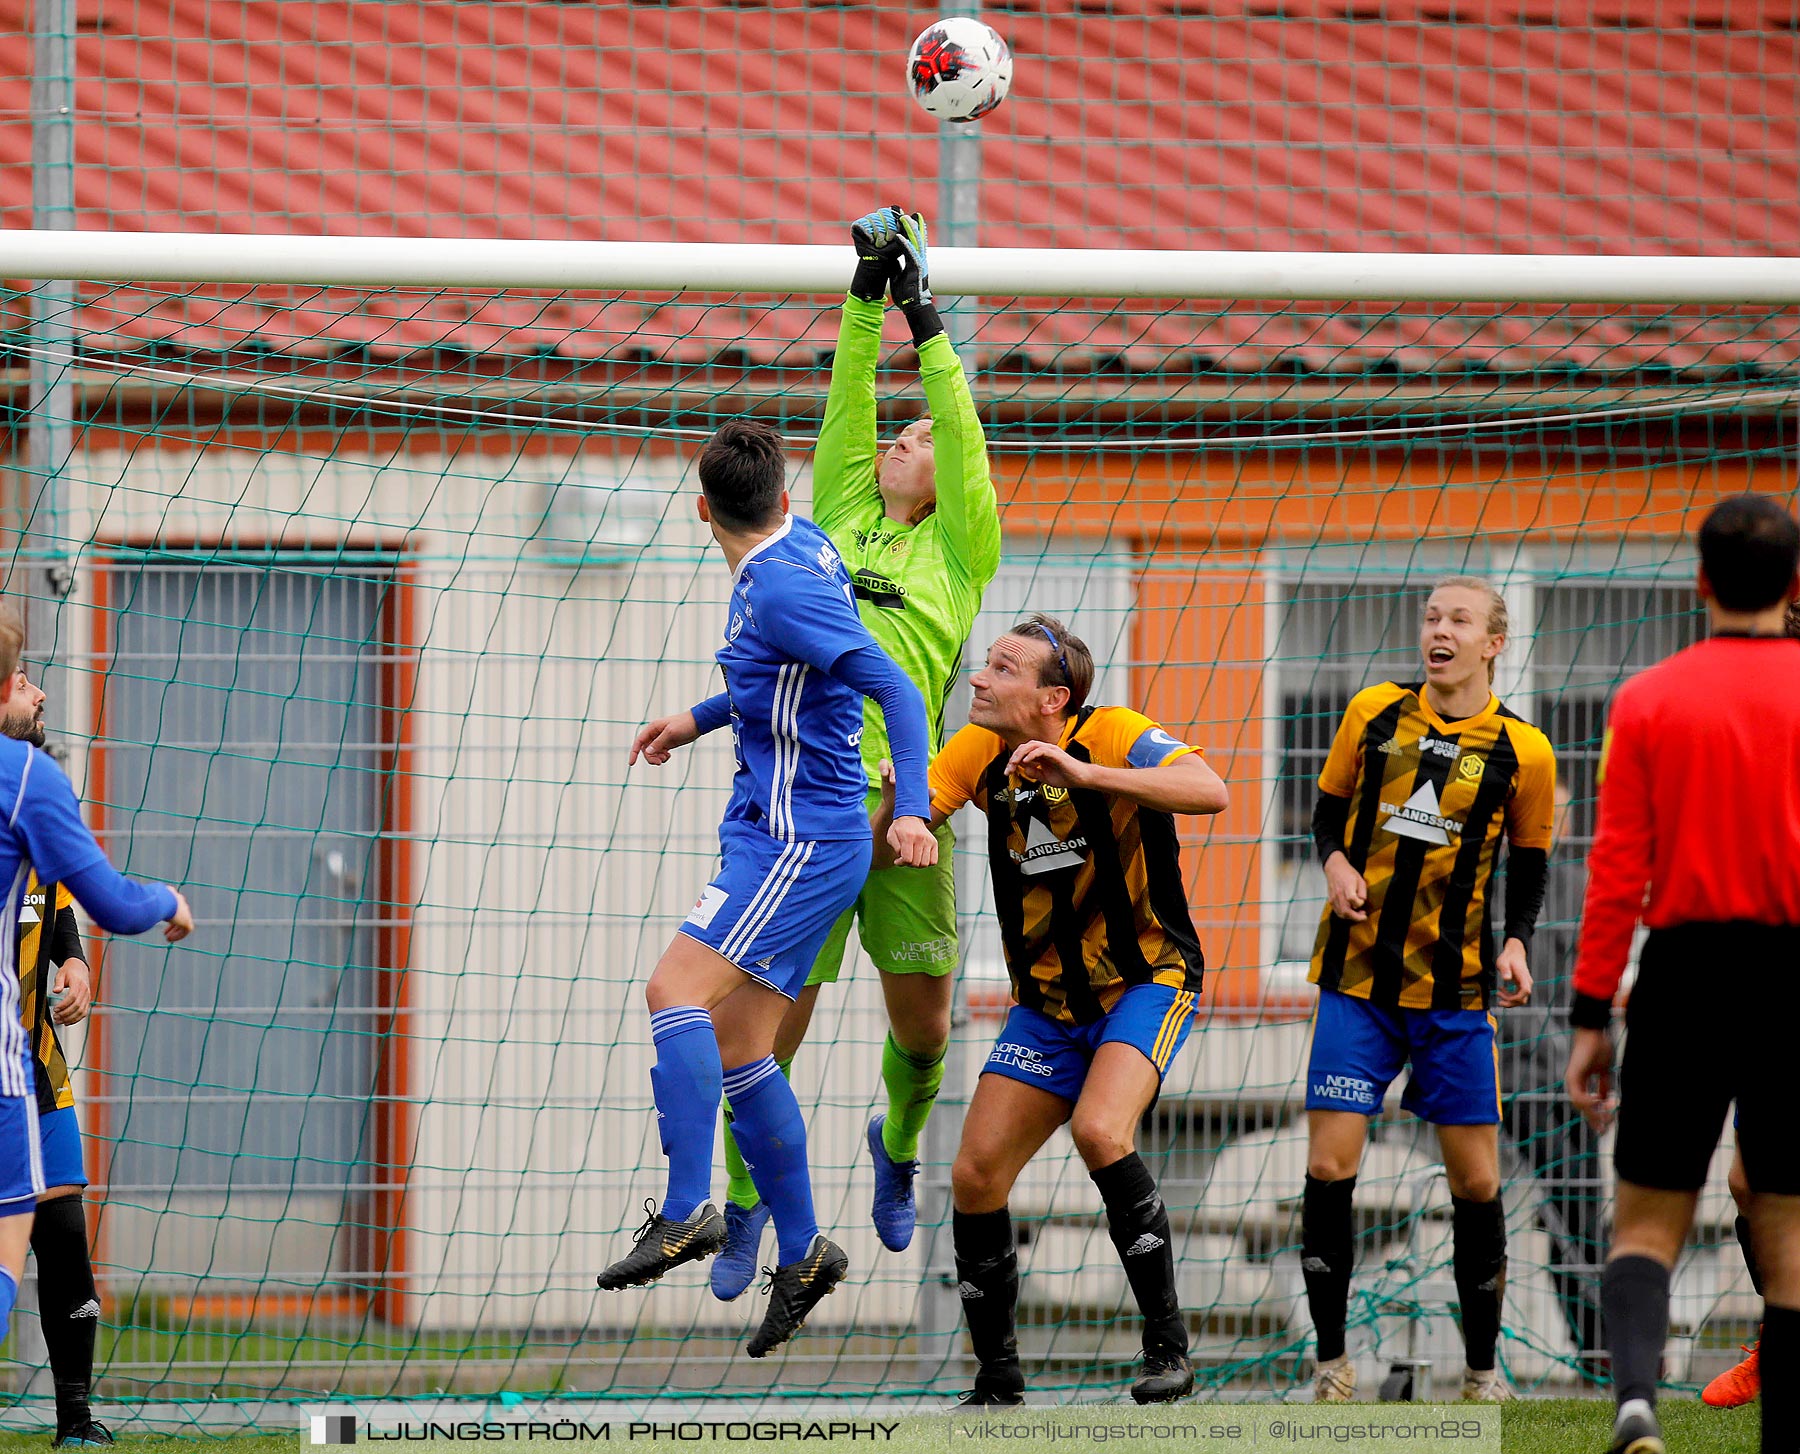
point(685, 1082)
point(9, 1294)
point(771, 1134)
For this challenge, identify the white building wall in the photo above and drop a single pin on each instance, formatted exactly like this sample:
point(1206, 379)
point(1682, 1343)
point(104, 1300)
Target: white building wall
point(547, 878)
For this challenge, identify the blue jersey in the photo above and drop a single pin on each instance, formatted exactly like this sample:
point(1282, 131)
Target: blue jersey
point(45, 832)
point(797, 731)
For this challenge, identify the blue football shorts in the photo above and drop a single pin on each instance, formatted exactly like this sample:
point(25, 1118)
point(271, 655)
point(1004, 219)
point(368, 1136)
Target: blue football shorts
point(772, 903)
point(1358, 1048)
point(1054, 1057)
point(21, 1155)
point(60, 1133)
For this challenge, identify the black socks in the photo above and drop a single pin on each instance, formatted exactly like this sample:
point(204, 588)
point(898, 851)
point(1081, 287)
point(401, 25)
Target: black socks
point(1139, 1223)
point(1634, 1295)
point(1478, 1242)
point(987, 1273)
point(68, 1303)
point(1780, 1356)
point(987, 1276)
point(1327, 1256)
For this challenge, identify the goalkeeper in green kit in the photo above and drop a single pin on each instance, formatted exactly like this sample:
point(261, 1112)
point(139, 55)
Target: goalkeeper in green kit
point(919, 530)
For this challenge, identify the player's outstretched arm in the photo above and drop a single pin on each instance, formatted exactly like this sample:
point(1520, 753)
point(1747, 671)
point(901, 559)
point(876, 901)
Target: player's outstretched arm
point(47, 823)
point(967, 507)
point(122, 905)
point(871, 671)
point(656, 741)
point(811, 618)
point(967, 512)
point(881, 821)
point(845, 459)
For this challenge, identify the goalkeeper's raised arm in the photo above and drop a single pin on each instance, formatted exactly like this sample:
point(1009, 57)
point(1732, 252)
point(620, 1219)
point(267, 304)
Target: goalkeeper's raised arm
point(936, 469)
point(917, 522)
point(919, 533)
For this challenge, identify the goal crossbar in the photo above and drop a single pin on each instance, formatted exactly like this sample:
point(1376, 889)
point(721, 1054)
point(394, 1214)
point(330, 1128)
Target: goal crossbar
point(788, 270)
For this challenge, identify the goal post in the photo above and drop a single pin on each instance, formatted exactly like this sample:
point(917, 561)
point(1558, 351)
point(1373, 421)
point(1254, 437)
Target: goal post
point(370, 554)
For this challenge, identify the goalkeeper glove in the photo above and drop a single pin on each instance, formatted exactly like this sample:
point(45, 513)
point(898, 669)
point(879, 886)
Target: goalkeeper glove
point(910, 286)
point(891, 240)
point(911, 282)
point(876, 235)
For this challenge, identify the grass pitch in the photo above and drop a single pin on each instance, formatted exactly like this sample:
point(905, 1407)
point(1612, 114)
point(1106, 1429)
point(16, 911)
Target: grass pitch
point(1584, 1426)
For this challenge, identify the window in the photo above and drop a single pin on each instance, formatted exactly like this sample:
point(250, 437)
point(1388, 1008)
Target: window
point(1588, 638)
point(1335, 638)
point(1574, 640)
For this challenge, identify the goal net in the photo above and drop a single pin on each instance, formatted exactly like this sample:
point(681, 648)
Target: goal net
point(349, 599)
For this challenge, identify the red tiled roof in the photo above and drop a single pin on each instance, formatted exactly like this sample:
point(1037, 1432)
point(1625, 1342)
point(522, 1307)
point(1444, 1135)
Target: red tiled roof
point(1145, 126)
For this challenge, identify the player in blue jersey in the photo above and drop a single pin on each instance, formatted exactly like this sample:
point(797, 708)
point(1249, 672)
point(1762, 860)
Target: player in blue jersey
point(44, 833)
point(55, 992)
point(795, 844)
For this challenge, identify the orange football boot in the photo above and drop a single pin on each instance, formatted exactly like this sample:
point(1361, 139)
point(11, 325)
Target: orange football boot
point(1739, 1384)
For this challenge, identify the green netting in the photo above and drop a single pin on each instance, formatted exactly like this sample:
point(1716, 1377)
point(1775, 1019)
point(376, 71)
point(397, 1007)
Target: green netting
point(354, 650)
point(349, 601)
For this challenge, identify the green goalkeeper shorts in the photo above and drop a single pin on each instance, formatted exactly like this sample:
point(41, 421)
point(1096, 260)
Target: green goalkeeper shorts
point(906, 918)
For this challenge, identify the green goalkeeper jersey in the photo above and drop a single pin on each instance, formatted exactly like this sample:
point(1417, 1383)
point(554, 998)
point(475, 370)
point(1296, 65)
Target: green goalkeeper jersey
point(918, 587)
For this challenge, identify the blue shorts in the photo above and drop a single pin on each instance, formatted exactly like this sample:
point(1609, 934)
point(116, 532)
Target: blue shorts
point(1054, 1057)
point(60, 1132)
point(21, 1155)
point(772, 904)
point(1358, 1049)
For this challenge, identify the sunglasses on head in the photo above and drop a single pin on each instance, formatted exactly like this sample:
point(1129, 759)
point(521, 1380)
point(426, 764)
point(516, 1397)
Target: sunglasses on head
point(1056, 646)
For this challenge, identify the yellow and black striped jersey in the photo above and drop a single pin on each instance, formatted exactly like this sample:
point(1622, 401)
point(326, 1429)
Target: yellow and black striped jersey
point(1430, 801)
point(37, 935)
point(1087, 886)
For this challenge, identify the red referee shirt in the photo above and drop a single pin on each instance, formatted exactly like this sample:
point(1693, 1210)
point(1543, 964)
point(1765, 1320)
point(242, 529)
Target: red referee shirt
point(1699, 803)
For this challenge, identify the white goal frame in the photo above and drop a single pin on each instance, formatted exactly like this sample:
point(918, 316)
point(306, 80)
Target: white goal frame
point(1000, 272)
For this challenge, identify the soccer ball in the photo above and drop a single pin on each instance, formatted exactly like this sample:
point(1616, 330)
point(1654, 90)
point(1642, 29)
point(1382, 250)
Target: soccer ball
point(959, 69)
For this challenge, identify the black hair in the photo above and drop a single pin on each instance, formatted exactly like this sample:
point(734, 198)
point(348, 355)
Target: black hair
point(1750, 550)
point(743, 470)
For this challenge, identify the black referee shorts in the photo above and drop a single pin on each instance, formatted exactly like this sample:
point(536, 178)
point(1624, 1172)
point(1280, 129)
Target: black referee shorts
point(1712, 1021)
